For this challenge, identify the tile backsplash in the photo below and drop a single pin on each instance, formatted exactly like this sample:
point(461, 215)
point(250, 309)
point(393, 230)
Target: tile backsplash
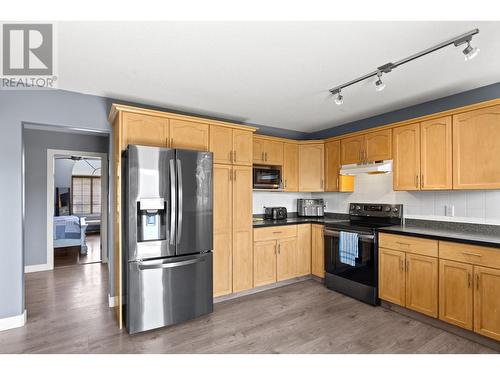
point(475, 206)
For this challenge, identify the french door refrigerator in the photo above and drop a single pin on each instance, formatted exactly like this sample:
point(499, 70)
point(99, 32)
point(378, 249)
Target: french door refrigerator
point(167, 236)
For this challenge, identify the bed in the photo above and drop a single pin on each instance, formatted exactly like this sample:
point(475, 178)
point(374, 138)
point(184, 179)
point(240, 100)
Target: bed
point(70, 231)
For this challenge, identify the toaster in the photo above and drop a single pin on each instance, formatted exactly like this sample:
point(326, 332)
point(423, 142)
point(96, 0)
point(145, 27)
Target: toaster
point(310, 207)
point(275, 213)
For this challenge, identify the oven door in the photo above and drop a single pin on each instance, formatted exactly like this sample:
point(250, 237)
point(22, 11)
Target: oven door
point(266, 178)
point(364, 270)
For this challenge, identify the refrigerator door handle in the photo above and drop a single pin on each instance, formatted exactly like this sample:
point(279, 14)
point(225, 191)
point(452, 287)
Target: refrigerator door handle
point(180, 197)
point(172, 202)
point(143, 267)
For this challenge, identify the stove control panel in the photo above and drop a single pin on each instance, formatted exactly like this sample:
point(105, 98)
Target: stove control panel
point(376, 210)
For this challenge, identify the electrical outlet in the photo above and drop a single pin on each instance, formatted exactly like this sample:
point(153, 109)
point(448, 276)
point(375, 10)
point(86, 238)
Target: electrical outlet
point(449, 210)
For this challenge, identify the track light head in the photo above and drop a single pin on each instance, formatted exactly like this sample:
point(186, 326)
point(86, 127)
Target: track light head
point(379, 85)
point(339, 100)
point(470, 52)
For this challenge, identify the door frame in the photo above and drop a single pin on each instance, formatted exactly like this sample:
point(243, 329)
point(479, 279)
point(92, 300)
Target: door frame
point(51, 153)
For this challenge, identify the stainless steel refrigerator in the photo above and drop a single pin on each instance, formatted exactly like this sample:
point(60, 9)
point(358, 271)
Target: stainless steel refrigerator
point(167, 236)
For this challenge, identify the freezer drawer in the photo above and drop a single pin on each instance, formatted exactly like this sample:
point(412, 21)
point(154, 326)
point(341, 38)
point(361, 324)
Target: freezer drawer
point(168, 291)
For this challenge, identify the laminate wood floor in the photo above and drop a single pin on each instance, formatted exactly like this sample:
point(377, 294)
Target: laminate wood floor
point(68, 313)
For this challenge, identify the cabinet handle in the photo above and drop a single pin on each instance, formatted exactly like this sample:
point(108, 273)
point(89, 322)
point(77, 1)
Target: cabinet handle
point(230, 175)
point(469, 277)
point(416, 181)
point(231, 156)
point(262, 156)
point(477, 281)
point(422, 181)
point(171, 142)
point(473, 254)
point(266, 155)
point(275, 249)
point(277, 232)
point(401, 265)
point(234, 175)
point(407, 266)
point(285, 184)
point(279, 248)
point(234, 157)
point(337, 182)
point(403, 243)
point(321, 183)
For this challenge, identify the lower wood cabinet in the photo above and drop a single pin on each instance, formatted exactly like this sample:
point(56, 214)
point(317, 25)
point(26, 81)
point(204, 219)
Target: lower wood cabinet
point(422, 284)
point(391, 276)
point(317, 250)
point(286, 265)
point(455, 293)
point(487, 302)
point(303, 249)
point(264, 262)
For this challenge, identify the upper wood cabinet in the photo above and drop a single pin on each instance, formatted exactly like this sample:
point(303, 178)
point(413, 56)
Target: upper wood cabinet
point(231, 146)
point(290, 167)
point(333, 180)
point(406, 153)
point(436, 154)
point(311, 170)
point(189, 135)
point(373, 146)
point(317, 251)
point(378, 145)
point(476, 146)
point(266, 151)
point(145, 130)
point(455, 293)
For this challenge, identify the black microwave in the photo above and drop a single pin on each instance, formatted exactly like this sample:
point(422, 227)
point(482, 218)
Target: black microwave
point(267, 178)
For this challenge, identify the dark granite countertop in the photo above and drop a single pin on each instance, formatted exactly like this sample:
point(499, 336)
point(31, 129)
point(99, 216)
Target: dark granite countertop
point(294, 221)
point(489, 238)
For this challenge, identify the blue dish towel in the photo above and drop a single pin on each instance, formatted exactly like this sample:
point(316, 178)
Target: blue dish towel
point(348, 248)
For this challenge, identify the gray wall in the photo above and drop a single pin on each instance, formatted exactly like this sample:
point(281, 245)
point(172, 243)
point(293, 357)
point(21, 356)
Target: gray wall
point(76, 110)
point(36, 143)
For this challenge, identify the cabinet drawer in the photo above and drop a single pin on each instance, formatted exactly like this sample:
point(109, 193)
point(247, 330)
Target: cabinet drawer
point(409, 244)
point(471, 254)
point(274, 233)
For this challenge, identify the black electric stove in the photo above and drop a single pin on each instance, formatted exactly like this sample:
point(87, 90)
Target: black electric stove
point(358, 277)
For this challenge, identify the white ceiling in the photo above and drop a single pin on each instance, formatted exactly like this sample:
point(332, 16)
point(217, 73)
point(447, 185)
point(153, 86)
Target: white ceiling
point(275, 73)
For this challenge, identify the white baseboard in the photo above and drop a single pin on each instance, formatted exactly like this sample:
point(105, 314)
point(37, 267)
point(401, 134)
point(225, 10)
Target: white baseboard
point(37, 268)
point(13, 322)
point(113, 301)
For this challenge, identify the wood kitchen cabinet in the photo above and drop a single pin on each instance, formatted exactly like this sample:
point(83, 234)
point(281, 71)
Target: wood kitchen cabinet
point(455, 293)
point(264, 255)
point(487, 301)
point(333, 180)
point(145, 130)
point(373, 146)
point(286, 264)
point(311, 170)
point(391, 281)
point(290, 167)
point(266, 151)
point(317, 251)
point(422, 284)
point(304, 249)
point(231, 146)
point(406, 154)
point(476, 146)
point(189, 135)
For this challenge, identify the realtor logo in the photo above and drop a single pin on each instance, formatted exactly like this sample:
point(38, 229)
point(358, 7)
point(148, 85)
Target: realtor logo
point(27, 49)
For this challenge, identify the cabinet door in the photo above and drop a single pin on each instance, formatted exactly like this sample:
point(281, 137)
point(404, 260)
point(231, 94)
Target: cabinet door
point(242, 147)
point(223, 228)
point(406, 154)
point(189, 135)
point(378, 145)
point(221, 144)
point(242, 229)
point(476, 146)
point(290, 167)
point(303, 249)
point(332, 165)
point(311, 170)
point(487, 302)
point(258, 150)
point(144, 130)
point(273, 152)
point(317, 251)
point(351, 150)
point(436, 154)
point(391, 277)
point(422, 284)
point(264, 271)
point(286, 265)
point(455, 293)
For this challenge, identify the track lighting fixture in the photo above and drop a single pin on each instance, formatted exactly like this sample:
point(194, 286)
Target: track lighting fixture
point(339, 100)
point(379, 85)
point(469, 52)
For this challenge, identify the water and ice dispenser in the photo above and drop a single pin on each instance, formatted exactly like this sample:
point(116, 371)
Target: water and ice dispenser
point(151, 219)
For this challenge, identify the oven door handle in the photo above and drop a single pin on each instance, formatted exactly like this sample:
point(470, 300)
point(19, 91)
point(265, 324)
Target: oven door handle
point(334, 233)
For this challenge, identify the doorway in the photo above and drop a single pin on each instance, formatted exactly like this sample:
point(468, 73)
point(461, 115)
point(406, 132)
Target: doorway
point(76, 208)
